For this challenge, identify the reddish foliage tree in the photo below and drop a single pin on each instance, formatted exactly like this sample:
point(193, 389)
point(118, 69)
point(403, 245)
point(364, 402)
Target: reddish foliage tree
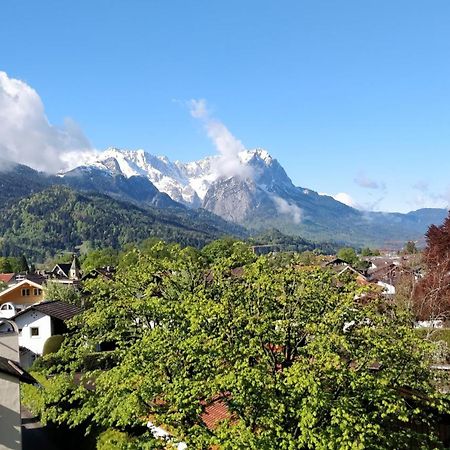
point(438, 245)
point(432, 294)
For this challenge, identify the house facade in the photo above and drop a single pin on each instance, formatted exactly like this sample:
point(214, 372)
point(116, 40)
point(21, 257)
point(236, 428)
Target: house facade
point(19, 296)
point(37, 323)
point(66, 273)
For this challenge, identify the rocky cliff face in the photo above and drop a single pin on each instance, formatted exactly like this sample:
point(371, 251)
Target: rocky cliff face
point(234, 198)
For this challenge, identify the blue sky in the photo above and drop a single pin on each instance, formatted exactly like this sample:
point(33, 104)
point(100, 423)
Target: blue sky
point(351, 96)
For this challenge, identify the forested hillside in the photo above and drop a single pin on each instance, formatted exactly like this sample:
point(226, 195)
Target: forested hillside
point(20, 181)
point(59, 218)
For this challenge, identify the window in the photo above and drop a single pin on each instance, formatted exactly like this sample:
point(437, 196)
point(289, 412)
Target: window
point(25, 292)
point(5, 307)
point(34, 331)
point(37, 291)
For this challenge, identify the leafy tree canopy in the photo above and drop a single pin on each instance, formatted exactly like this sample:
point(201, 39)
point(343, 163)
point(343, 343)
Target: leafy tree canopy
point(13, 264)
point(299, 359)
point(100, 258)
point(230, 250)
point(63, 292)
point(348, 255)
point(369, 252)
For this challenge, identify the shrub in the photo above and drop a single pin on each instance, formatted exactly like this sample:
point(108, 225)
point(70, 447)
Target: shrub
point(52, 344)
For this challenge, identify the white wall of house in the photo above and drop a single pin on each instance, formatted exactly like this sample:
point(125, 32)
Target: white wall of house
point(10, 432)
point(388, 289)
point(30, 323)
point(9, 309)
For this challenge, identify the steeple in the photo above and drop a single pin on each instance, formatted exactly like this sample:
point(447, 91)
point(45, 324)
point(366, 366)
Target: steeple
point(74, 272)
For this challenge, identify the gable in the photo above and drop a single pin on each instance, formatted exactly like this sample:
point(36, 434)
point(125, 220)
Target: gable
point(61, 270)
point(25, 292)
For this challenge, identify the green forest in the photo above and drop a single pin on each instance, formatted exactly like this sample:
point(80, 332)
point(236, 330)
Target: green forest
point(60, 219)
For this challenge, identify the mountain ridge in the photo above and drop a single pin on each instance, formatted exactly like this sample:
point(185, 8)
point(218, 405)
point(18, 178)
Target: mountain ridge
point(265, 199)
point(263, 196)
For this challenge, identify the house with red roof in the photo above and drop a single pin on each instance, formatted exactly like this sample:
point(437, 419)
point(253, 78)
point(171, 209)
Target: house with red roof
point(8, 278)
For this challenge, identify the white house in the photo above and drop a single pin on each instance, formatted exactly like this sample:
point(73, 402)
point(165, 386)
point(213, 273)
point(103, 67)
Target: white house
point(37, 323)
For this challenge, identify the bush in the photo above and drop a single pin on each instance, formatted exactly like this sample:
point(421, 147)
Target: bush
point(121, 440)
point(113, 440)
point(31, 395)
point(52, 344)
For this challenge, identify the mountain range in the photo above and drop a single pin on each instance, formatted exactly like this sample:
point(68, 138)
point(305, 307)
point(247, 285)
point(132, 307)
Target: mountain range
point(126, 196)
point(261, 195)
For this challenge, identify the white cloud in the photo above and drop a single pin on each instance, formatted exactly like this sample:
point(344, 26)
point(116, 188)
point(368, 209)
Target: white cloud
point(421, 185)
point(346, 199)
point(228, 146)
point(27, 137)
point(427, 198)
point(284, 207)
point(431, 200)
point(364, 181)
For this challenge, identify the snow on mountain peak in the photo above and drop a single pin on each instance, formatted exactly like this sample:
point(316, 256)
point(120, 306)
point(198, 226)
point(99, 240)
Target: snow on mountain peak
point(183, 182)
point(258, 153)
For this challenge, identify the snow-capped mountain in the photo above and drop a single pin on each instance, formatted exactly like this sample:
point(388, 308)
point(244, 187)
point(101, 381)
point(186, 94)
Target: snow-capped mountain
point(187, 183)
point(260, 196)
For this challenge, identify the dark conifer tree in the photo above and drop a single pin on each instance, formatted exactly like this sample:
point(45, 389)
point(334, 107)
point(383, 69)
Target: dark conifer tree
point(23, 264)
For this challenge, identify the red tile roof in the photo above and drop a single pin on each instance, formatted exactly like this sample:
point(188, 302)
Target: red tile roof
point(215, 412)
point(6, 277)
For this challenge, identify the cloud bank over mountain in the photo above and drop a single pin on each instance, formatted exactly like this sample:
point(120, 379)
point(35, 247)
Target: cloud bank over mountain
point(228, 146)
point(26, 135)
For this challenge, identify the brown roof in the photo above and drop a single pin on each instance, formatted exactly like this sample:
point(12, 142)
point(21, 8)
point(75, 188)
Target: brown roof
point(107, 272)
point(36, 278)
point(56, 309)
point(6, 277)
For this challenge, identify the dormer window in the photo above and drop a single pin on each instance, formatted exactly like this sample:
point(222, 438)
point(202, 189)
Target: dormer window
point(37, 291)
point(25, 292)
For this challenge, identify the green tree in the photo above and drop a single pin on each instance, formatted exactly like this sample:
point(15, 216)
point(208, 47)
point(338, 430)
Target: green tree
point(5, 265)
point(369, 252)
point(100, 258)
point(297, 358)
point(308, 258)
point(64, 292)
point(410, 248)
point(52, 344)
point(348, 255)
point(23, 264)
point(230, 250)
